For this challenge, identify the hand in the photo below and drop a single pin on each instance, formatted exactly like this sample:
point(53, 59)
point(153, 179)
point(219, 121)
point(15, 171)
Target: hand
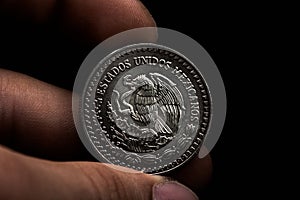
point(36, 119)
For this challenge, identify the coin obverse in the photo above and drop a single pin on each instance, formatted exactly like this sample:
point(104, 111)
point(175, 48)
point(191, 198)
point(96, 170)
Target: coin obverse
point(146, 107)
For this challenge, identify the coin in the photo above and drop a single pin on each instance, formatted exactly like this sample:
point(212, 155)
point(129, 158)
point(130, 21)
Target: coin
point(146, 107)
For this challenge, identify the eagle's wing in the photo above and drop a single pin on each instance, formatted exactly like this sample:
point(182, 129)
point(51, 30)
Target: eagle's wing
point(161, 126)
point(162, 80)
point(169, 99)
point(170, 107)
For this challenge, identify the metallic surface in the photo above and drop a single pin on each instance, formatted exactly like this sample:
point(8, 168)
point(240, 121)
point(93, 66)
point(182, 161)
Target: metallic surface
point(146, 107)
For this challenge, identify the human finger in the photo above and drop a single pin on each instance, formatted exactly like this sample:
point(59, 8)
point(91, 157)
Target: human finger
point(36, 118)
point(24, 177)
point(196, 173)
point(92, 20)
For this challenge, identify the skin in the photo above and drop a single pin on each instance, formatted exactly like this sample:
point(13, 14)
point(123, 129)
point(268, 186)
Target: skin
point(32, 132)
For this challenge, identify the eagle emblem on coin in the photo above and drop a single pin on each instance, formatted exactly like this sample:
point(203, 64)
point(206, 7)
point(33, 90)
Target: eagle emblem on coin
point(146, 107)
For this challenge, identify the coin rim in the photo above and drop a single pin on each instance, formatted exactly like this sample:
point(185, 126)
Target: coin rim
point(177, 41)
point(188, 153)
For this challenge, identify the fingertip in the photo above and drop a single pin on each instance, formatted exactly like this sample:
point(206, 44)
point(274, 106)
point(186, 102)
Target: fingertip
point(96, 20)
point(195, 174)
point(89, 21)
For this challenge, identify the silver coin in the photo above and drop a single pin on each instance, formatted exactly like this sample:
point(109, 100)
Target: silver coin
point(146, 107)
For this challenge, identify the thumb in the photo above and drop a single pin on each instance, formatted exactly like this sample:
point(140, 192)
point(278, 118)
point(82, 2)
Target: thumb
point(23, 177)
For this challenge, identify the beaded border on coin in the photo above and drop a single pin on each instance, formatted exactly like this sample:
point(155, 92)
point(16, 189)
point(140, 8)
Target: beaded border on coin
point(116, 155)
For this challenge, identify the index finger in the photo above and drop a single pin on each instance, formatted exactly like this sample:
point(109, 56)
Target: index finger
point(94, 20)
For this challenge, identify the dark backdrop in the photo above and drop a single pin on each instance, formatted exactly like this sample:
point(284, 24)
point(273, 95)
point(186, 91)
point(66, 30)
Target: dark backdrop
point(58, 65)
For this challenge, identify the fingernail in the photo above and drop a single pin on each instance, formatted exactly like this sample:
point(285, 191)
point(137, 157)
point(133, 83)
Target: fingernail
point(172, 190)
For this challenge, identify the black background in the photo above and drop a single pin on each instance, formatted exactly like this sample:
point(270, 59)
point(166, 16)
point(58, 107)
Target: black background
point(247, 41)
point(58, 65)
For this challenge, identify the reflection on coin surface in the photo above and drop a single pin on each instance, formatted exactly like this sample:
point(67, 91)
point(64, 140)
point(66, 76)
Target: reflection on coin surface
point(146, 107)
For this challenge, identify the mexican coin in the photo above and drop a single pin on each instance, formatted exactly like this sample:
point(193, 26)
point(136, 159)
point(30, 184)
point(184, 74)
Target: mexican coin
point(146, 107)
